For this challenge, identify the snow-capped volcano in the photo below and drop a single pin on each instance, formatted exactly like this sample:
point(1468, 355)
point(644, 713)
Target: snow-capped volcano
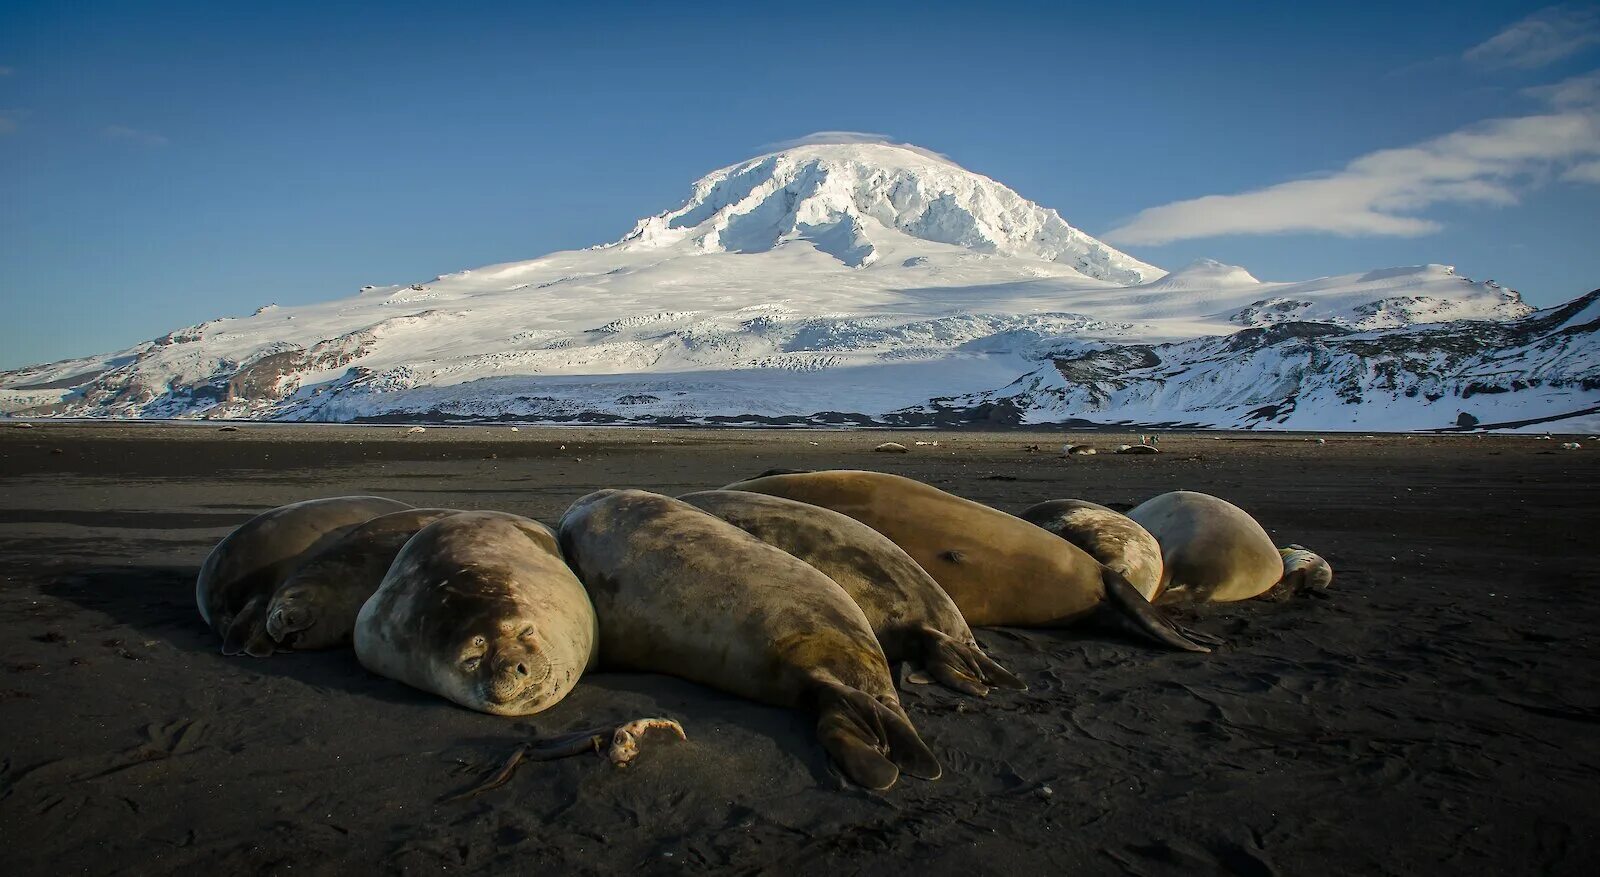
point(859, 283)
point(862, 202)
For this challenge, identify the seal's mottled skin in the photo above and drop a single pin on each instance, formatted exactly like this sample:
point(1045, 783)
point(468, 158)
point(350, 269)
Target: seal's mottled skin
point(1109, 536)
point(480, 608)
point(316, 606)
point(679, 591)
point(913, 618)
point(998, 568)
point(238, 578)
point(1211, 550)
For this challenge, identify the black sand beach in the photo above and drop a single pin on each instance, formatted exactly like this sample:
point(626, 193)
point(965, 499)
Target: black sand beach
point(1436, 711)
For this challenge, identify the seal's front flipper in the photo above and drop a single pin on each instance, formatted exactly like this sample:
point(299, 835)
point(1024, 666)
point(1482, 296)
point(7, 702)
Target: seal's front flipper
point(963, 666)
point(1127, 610)
point(869, 741)
point(247, 635)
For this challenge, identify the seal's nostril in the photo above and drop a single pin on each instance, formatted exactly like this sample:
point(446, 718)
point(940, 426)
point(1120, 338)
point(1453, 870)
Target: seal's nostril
point(523, 669)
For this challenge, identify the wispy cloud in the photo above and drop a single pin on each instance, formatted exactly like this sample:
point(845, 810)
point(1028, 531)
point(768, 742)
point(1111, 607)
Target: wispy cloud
point(819, 138)
point(1542, 38)
point(124, 134)
point(1380, 193)
point(1588, 172)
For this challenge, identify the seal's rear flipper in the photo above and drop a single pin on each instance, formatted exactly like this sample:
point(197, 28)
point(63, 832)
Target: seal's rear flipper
point(869, 741)
point(964, 666)
point(247, 635)
point(1127, 610)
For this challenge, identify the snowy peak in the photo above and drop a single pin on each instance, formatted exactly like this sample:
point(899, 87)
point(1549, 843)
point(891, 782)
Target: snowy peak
point(858, 202)
point(1206, 274)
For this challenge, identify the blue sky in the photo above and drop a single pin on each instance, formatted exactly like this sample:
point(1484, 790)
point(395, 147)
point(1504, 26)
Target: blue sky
point(166, 163)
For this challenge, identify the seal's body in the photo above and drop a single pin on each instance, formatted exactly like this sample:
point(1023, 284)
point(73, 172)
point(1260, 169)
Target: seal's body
point(1108, 536)
point(1212, 551)
point(238, 578)
point(316, 606)
point(679, 591)
point(480, 608)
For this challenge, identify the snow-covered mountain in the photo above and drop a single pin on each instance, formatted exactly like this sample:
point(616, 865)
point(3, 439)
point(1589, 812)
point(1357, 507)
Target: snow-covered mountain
point(863, 283)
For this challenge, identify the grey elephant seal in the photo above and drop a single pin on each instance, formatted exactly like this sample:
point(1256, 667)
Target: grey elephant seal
point(679, 591)
point(480, 608)
point(239, 576)
point(316, 606)
point(913, 618)
point(998, 568)
point(1109, 536)
point(1212, 550)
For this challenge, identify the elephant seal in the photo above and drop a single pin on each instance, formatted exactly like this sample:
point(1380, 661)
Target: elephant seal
point(238, 577)
point(316, 606)
point(479, 608)
point(1109, 536)
point(913, 618)
point(998, 568)
point(679, 591)
point(1212, 551)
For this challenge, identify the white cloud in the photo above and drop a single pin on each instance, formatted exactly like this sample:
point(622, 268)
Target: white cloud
point(845, 137)
point(124, 134)
point(1588, 172)
point(1379, 193)
point(1542, 38)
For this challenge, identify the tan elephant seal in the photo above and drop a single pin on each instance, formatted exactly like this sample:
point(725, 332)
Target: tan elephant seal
point(679, 591)
point(238, 578)
point(998, 568)
point(913, 618)
point(1109, 536)
point(316, 606)
point(480, 608)
point(1213, 551)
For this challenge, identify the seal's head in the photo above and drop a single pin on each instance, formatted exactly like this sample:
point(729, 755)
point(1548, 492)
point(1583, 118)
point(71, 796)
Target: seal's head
point(1304, 570)
point(502, 665)
point(298, 618)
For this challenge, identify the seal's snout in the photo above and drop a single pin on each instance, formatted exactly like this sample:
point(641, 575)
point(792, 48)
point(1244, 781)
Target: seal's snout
point(286, 619)
point(513, 674)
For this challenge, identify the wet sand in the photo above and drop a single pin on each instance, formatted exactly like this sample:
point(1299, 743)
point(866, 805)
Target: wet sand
point(1435, 712)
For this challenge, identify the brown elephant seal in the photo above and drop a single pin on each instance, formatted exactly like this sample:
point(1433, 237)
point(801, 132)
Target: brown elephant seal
point(1212, 551)
point(913, 618)
point(480, 608)
point(998, 568)
point(1109, 536)
point(679, 591)
point(316, 606)
point(238, 578)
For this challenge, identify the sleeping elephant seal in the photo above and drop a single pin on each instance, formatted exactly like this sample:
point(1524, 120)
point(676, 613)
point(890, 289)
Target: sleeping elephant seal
point(681, 592)
point(1212, 550)
point(1109, 536)
point(479, 608)
point(1304, 569)
point(238, 577)
point(998, 568)
point(316, 606)
point(913, 618)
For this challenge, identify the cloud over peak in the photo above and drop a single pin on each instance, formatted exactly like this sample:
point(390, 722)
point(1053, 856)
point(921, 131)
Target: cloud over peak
point(1542, 38)
point(1379, 193)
